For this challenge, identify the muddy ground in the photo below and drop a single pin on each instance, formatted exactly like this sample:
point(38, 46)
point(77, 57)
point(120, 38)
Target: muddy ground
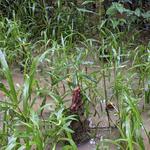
point(102, 132)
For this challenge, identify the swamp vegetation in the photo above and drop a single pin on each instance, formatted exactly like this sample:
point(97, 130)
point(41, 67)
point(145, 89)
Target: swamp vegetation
point(85, 74)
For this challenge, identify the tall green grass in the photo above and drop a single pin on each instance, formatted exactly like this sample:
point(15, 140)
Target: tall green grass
point(61, 32)
point(22, 126)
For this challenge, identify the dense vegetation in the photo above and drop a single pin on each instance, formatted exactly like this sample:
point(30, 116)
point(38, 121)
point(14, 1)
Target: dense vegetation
point(99, 48)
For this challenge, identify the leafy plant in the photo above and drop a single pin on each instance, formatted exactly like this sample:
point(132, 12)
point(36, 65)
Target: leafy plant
point(129, 16)
point(22, 126)
point(131, 122)
point(14, 40)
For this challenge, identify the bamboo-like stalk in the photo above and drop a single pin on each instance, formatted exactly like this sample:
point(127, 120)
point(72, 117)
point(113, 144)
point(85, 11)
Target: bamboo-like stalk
point(105, 93)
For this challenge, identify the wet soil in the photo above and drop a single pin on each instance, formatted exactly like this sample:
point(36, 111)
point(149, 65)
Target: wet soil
point(98, 133)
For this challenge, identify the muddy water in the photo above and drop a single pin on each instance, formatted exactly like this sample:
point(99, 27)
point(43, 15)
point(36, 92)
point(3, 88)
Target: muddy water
point(102, 132)
point(86, 146)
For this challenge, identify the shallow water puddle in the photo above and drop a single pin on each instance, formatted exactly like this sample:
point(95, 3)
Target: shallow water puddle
point(101, 133)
